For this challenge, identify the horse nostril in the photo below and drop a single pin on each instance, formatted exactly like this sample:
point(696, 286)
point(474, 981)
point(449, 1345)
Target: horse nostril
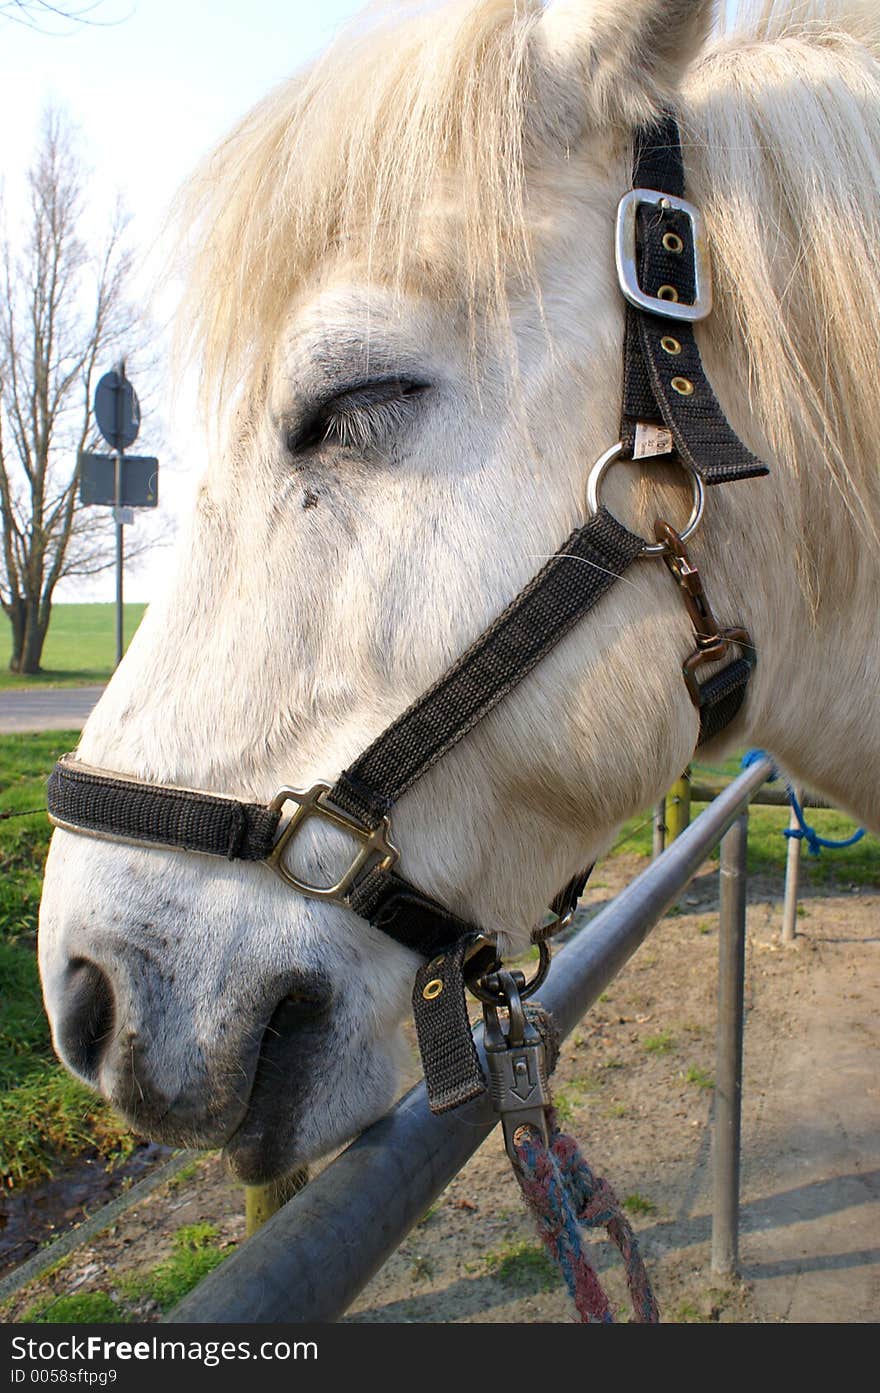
point(86, 1024)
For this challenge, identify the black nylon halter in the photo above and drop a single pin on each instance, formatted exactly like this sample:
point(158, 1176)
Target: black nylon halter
point(92, 801)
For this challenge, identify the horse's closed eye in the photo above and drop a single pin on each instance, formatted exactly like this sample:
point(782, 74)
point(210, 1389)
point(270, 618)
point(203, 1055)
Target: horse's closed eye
point(365, 415)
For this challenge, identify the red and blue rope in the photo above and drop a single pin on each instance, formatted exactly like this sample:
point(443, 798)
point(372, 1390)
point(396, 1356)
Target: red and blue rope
point(565, 1197)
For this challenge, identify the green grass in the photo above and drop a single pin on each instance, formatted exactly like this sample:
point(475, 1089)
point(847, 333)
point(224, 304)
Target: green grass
point(194, 1255)
point(522, 1266)
point(568, 1097)
point(659, 1044)
point(80, 1308)
point(45, 1115)
point(694, 1074)
point(80, 647)
point(25, 763)
point(767, 847)
point(638, 1204)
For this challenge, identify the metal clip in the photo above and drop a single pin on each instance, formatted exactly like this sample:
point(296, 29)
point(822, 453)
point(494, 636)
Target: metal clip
point(517, 1061)
point(713, 642)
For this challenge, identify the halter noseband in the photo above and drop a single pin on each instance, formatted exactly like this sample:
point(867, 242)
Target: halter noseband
point(669, 410)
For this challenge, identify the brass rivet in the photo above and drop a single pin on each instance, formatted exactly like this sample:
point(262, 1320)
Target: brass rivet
point(667, 292)
point(436, 965)
point(670, 345)
point(664, 203)
point(672, 242)
point(432, 989)
point(683, 386)
point(523, 1135)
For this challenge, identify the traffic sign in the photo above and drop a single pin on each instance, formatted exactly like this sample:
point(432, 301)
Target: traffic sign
point(117, 409)
point(140, 480)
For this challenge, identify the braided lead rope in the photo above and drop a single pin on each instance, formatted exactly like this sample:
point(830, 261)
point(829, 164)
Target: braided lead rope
point(563, 1194)
point(804, 831)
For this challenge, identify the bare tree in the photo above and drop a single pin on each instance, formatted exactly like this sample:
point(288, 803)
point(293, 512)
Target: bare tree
point(36, 14)
point(64, 317)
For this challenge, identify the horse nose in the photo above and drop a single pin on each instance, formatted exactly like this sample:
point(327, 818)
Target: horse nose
point(96, 1035)
point(85, 1027)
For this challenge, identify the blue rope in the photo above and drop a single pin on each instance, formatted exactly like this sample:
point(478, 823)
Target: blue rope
point(803, 831)
point(752, 756)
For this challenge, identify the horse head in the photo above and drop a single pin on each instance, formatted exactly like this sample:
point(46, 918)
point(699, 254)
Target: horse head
point(404, 292)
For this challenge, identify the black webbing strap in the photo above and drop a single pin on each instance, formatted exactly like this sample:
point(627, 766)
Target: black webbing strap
point(721, 697)
point(159, 814)
point(186, 820)
point(413, 919)
point(574, 580)
point(453, 1074)
point(700, 430)
point(566, 901)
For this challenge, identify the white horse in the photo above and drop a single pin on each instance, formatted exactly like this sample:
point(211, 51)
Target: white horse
point(403, 290)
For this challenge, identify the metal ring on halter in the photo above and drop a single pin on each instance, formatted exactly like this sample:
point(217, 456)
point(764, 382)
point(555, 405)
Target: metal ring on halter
point(597, 473)
point(492, 995)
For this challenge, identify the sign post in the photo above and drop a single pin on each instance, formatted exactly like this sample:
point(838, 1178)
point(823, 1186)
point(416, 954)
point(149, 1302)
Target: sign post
point(120, 548)
point(114, 479)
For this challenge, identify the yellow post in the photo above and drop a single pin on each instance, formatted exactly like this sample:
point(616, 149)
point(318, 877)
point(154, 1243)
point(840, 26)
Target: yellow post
point(678, 806)
point(262, 1201)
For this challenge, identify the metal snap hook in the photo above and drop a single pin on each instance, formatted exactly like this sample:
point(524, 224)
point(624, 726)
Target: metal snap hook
point(487, 988)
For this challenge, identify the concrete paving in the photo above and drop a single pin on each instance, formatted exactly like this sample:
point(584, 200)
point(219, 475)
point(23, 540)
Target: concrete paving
point(46, 708)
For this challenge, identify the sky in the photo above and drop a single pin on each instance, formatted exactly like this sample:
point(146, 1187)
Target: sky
point(152, 85)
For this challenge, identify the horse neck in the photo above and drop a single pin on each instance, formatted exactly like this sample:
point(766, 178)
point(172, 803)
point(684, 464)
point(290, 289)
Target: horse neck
point(792, 350)
point(785, 557)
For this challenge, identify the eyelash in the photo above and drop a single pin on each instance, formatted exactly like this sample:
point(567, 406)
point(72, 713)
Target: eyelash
point(360, 417)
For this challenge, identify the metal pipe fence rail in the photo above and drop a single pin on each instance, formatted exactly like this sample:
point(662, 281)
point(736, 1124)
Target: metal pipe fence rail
point(310, 1260)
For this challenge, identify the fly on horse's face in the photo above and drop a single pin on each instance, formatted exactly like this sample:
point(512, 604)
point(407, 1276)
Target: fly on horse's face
point(401, 464)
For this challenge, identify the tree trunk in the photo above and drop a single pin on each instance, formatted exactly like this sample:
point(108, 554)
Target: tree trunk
point(28, 637)
point(15, 612)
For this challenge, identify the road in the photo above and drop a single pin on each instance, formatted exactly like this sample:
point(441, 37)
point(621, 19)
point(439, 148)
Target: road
point(46, 708)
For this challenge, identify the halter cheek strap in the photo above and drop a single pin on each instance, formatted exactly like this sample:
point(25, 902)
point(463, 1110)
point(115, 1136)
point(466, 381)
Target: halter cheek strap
point(667, 411)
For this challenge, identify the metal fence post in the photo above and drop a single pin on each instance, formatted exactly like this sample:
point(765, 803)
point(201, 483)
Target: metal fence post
point(792, 874)
point(262, 1201)
point(659, 829)
point(678, 806)
point(729, 1045)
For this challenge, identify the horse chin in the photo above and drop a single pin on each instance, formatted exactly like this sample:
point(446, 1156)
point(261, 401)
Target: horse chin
point(306, 1097)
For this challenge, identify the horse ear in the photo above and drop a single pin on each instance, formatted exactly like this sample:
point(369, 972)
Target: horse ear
point(612, 63)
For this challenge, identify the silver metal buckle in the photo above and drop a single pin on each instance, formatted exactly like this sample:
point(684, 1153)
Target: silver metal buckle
point(625, 257)
point(312, 802)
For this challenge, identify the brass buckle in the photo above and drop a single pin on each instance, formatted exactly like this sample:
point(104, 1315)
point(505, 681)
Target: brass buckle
point(312, 802)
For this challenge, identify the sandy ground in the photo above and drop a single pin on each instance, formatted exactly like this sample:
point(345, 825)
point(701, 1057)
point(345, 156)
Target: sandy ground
point(635, 1084)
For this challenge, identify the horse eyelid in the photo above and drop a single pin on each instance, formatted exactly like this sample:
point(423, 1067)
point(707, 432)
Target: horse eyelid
point(357, 415)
